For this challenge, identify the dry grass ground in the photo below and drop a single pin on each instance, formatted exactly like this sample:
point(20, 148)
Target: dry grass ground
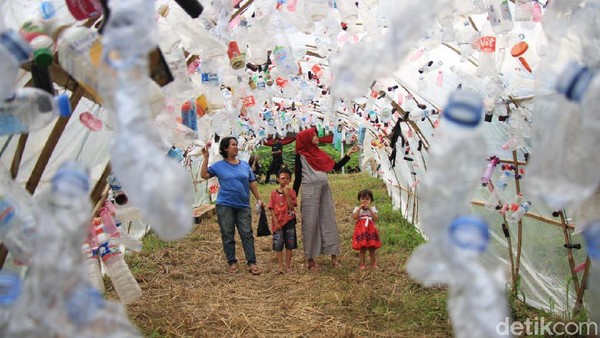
point(188, 291)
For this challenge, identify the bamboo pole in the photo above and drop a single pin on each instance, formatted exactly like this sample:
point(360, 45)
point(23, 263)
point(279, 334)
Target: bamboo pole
point(579, 300)
point(569, 252)
point(519, 225)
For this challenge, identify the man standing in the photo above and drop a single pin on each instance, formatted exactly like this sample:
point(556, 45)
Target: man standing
point(277, 153)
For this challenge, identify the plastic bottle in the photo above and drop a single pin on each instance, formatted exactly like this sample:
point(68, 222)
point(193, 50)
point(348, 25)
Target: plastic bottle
point(17, 223)
point(125, 284)
point(92, 263)
point(476, 301)
point(565, 134)
point(487, 51)
point(79, 50)
point(591, 234)
point(456, 156)
point(489, 170)
point(10, 290)
point(284, 60)
point(30, 110)
point(518, 215)
point(13, 51)
point(156, 184)
point(501, 22)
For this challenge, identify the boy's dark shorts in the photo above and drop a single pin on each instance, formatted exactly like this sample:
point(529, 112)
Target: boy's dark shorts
point(285, 236)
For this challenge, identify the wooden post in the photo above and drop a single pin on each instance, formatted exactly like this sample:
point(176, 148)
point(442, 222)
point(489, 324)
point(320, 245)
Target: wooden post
point(569, 252)
point(519, 225)
point(48, 149)
point(579, 301)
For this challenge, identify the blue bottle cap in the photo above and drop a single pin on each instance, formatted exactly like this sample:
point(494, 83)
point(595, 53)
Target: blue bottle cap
point(47, 10)
point(14, 43)
point(10, 287)
point(574, 80)
point(470, 232)
point(464, 108)
point(64, 105)
point(71, 178)
point(591, 234)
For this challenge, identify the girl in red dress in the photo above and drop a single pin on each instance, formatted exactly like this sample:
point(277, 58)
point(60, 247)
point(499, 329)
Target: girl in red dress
point(366, 236)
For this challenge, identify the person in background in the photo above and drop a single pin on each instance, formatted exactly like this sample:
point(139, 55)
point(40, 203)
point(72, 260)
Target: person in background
point(256, 166)
point(366, 236)
point(277, 153)
point(282, 205)
point(236, 180)
point(319, 227)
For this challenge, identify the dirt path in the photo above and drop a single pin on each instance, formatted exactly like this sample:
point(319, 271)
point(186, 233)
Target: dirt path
point(188, 292)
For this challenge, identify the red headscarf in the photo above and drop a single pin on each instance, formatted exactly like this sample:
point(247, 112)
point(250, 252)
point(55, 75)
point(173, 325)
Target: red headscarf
point(317, 158)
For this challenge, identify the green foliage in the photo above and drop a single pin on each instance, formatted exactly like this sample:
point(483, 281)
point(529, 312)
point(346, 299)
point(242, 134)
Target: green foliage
point(289, 155)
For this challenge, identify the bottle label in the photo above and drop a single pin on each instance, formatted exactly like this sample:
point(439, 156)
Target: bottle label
point(487, 44)
point(210, 77)
point(7, 211)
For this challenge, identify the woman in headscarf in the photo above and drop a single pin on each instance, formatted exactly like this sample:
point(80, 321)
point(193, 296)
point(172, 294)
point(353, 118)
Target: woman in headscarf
point(319, 228)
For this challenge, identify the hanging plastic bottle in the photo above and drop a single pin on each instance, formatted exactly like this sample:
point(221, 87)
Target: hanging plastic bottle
point(500, 24)
point(79, 51)
point(125, 284)
point(17, 223)
point(518, 215)
point(456, 144)
point(31, 109)
point(188, 115)
point(487, 51)
point(92, 263)
point(523, 11)
point(476, 301)
point(489, 170)
point(236, 58)
point(10, 290)
point(564, 134)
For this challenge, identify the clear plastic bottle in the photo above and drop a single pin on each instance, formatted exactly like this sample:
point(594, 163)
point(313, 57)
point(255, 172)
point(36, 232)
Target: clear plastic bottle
point(519, 213)
point(591, 234)
point(456, 156)
point(92, 263)
point(125, 284)
point(476, 300)
point(566, 133)
point(487, 51)
point(10, 290)
point(79, 50)
point(17, 223)
point(13, 51)
point(30, 110)
point(155, 183)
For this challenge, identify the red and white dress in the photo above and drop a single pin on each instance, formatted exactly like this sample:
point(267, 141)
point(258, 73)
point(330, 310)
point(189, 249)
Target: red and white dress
point(365, 234)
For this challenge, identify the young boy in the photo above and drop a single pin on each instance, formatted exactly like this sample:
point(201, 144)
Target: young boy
point(282, 205)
